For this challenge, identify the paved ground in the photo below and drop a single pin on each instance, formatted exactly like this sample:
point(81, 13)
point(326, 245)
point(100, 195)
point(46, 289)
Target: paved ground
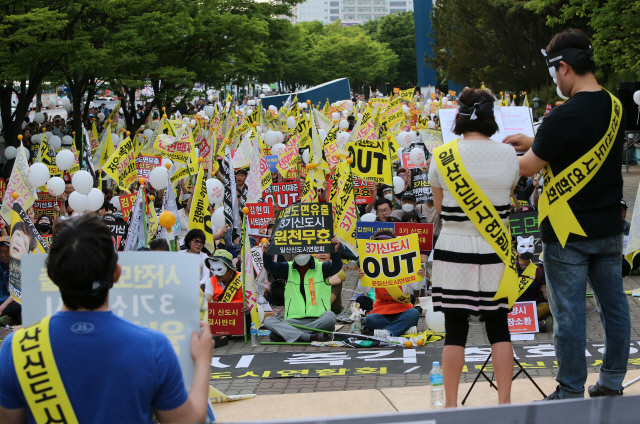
point(477, 336)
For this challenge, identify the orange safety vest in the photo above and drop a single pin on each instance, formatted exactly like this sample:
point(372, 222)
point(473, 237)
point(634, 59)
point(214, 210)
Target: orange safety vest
point(218, 291)
point(385, 304)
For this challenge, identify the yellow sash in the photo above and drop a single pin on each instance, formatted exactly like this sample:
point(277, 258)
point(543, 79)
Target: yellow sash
point(558, 189)
point(38, 375)
point(481, 212)
point(526, 278)
point(398, 295)
point(232, 289)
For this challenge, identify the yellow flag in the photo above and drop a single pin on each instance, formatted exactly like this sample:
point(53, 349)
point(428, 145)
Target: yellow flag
point(342, 198)
point(199, 216)
point(229, 97)
point(326, 111)
point(121, 166)
point(18, 183)
point(407, 94)
point(107, 147)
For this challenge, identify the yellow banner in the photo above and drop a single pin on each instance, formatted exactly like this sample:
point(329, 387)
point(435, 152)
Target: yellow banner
point(407, 94)
point(392, 262)
point(107, 147)
point(481, 212)
point(371, 160)
point(121, 166)
point(559, 189)
point(342, 198)
point(199, 216)
point(18, 183)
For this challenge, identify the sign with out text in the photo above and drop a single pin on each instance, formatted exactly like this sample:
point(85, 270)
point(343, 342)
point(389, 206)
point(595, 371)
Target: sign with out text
point(226, 318)
point(282, 194)
point(390, 262)
point(155, 290)
point(523, 318)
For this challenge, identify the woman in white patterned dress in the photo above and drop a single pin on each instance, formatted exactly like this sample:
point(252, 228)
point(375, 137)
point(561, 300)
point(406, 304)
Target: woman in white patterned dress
point(466, 270)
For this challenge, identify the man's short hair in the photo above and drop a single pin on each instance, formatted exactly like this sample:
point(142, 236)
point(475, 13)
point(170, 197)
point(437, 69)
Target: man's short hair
point(82, 261)
point(576, 39)
point(242, 171)
point(382, 201)
point(159, 244)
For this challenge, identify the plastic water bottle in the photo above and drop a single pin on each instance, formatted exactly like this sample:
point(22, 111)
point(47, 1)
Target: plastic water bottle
point(356, 325)
point(437, 386)
point(254, 335)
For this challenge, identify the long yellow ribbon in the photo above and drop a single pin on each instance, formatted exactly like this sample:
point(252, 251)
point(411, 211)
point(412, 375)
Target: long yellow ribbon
point(559, 189)
point(481, 212)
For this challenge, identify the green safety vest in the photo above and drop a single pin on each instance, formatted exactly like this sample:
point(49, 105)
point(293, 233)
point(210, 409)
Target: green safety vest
point(317, 293)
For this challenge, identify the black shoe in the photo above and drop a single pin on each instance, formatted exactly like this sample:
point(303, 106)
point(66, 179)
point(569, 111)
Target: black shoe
point(598, 390)
point(552, 396)
point(317, 337)
point(542, 326)
point(276, 338)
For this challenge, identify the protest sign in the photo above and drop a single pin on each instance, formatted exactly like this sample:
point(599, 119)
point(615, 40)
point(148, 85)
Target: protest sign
point(259, 214)
point(199, 215)
point(362, 190)
point(371, 160)
point(118, 233)
point(303, 228)
point(155, 290)
point(343, 204)
point(272, 160)
point(365, 230)
point(421, 187)
point(523, 318)
point(226, 318)
point(3, 187)
point(121, 166)
point(18, 183)
point(144, 165)
point(424, 232)
point(526, 225)
point(25, 239)
point(433, 137)
point(45, 204)
point(390, 262)
point(407, 163)
point(282, 194)
point(126, 204)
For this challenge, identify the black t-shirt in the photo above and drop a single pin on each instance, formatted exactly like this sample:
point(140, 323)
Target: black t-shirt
point(564, 136)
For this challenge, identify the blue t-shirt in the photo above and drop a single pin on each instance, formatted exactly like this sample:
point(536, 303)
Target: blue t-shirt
point(4, 282)
point(118, 372)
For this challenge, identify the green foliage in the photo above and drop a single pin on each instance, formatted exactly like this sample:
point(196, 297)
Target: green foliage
point(398, 33)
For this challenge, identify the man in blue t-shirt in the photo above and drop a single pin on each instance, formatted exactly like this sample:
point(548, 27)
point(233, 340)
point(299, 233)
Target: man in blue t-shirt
point(112, 370)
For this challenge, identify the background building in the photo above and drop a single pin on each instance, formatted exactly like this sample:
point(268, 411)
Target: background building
point(350, 12)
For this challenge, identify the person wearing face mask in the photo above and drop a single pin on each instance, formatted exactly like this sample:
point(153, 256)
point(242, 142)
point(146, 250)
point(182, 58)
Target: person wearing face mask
point(43, 224)
point(225, 285)
point(409, 205)
point(532, 277)
point(307, 295)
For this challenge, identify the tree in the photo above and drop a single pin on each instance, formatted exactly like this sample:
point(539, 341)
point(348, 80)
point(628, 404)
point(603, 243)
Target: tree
point(493, 41)
point(398, 32)
point(615, 24)
point(30, 34)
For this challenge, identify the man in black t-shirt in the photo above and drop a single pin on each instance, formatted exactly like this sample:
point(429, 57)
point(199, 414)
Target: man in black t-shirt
point(572, 138)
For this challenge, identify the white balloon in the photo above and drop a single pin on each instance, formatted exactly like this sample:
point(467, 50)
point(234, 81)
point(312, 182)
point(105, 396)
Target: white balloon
point(271, 138)
point(429, 101)
point(115, 201)
point(67, 107)
point(166, 161)
point(27, 152)
point(349, 104)
point(154, 125)
point(185, 120)
point(148, 133)
point(100, 116)
point(404, 139)
point(636, 98)
point(305, 157)
point(65, 101)
point(158, 177)
point(431, 125)
point(48, 134)
point(262, 96)
point(335, 115)
point(115, 139)
point(78, 202)
point(398, 184)
point(39, 117)
point(193, 122)
point(24, 125)
point(52, 103)
point(259, 129)
point(405, 108)
point(359, 116)
point(55, 186)
point(343, 124)
point(273, 108)
point(38, 174)
point(342, 139)
point(413, 136)
point(416, 156)
point(399, 152)
point(215, 190)
point(55, 142)
point(434, 320)
point(368, 217)
point(36, 138)
point(95, 200)
point(208, 111)
point(280, 136)
point(277, 149)
point(67, 140)
point(65, 159)
point(217, 219)
point(10, 152)
point(291, 122)
point(82, 182)
point(119, 127)
point(251, 102)
point(322, 133)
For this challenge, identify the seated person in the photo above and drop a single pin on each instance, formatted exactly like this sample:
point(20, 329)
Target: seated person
point(534, 276)
point(392, 316)
point(226, 283)
point(336, 284)
point(307, 295)
point(395, 216)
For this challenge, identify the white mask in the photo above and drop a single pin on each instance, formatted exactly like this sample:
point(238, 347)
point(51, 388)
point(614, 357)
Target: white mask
point(408, 207)
point(388, 196)
point(218, 268)
point(302, 259)
point(562, 96)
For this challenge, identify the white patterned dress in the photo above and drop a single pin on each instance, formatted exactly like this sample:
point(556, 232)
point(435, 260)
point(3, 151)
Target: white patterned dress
point(466, 270)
